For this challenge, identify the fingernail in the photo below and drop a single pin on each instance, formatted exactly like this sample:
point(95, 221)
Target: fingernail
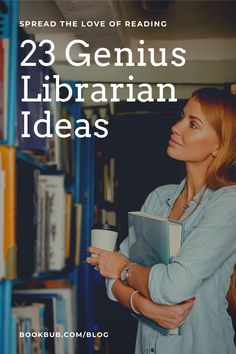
point(193, 298)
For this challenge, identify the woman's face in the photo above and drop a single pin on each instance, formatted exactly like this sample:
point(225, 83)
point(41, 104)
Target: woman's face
point(192, 138)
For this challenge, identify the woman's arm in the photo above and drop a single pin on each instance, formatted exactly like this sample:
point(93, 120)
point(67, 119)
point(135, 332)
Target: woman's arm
point(208, 246)
point(169, 317)
point(110, 265)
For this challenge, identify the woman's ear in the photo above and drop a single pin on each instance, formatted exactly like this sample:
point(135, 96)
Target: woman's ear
point(215, 152)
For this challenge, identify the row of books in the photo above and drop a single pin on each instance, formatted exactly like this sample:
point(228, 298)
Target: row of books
point(4, 54)
point(40, 227)
point(106, 181)
point(49, 150)
point(104, 216)
point(53, 151)
point(43, 318)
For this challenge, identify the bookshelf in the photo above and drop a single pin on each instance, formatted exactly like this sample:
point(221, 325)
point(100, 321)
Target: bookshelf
point(8, 33)
point(78, 182)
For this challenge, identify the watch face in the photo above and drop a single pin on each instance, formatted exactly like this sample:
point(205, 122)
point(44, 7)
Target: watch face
point(123, 275)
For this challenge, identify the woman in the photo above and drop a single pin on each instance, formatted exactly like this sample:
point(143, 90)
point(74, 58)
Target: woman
point(205, 201)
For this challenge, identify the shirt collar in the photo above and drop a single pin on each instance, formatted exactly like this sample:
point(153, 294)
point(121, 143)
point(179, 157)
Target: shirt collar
point(172, 198)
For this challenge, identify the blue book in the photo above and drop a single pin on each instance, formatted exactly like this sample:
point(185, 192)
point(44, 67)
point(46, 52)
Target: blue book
point(27, 322)
point(1, 315)
point(13, 343)
point(41, 312)
point(153, 239)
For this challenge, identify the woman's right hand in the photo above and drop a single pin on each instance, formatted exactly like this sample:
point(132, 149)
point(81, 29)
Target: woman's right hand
point(168, 316)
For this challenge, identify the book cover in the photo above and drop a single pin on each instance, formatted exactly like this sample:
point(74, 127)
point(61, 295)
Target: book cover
point(153, 239)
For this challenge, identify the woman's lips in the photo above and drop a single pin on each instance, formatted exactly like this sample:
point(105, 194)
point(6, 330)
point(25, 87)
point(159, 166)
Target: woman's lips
point(173, 142)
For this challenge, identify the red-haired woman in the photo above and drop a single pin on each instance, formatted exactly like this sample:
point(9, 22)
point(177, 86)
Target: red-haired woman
point(198, 278)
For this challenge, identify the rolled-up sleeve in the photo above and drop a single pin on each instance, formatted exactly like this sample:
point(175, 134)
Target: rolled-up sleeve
point(207, 247)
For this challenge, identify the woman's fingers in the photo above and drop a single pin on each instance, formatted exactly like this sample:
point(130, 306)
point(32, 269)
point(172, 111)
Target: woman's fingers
point(109, 263)
point(187, 305)
point(95, 250)
point(92, 260)
point(183, 311)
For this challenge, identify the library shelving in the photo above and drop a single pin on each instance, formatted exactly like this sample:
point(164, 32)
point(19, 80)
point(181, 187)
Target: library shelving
point(8, 38)
point(78, 177)
point(8, 35)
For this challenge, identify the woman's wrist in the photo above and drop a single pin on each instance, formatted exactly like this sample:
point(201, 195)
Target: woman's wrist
point(140, 304)
point(131, 302)
point(147, 307)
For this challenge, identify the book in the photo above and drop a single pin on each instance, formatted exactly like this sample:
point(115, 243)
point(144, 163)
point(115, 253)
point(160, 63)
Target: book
point(78, 215)
point(13, 326)
point(31, 312)
point(49, 301)
point(2, 192)
point(50, 244)
point(65, 309)
point(153, 239)
point(68, 222)
point(1, 91)
point(5, 85)
point(26, 217)
point(8, 157)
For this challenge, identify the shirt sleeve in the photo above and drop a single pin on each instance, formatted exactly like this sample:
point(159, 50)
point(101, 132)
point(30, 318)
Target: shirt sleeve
point(207, 247)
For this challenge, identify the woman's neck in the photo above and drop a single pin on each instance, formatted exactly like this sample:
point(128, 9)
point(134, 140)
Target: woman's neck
point(195, 180)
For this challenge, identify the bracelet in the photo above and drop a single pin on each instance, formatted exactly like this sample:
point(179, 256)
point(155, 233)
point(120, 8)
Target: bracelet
point(131, 302)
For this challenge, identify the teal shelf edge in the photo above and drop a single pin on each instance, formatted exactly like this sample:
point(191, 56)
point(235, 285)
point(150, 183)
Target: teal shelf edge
point(3, 142)
point(13, 8)
point(30, 159)
point(52, 275)
point(4, 20)
point(7, 287)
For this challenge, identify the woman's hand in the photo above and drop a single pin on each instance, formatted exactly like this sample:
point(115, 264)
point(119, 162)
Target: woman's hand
point(168, 316)
point(109, 264)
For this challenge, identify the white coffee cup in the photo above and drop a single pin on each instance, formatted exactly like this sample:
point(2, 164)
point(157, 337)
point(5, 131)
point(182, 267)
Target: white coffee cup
point(103, 236)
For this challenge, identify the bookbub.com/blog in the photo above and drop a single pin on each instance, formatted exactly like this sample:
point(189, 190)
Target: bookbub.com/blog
point(82, 334)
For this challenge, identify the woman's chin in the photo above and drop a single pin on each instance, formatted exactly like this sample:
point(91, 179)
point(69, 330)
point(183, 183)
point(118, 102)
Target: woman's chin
point(171, 152)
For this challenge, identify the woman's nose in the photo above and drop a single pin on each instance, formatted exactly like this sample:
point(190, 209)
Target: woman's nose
point(176, 128)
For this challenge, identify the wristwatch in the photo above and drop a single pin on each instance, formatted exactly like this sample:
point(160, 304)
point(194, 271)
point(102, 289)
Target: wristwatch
point(124, 275)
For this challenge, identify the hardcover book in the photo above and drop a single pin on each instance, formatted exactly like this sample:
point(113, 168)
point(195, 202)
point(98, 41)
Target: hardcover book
point(153, 239)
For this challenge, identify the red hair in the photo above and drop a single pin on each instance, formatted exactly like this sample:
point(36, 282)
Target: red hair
point(219, 108)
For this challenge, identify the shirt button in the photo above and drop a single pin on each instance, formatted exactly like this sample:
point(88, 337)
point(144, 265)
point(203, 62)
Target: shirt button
point(152, 350)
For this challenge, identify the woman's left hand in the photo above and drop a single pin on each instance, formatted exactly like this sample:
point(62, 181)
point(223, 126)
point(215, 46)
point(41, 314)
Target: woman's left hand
point(109, 264)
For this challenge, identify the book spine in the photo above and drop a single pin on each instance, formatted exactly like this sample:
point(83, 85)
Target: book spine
point(9, 165)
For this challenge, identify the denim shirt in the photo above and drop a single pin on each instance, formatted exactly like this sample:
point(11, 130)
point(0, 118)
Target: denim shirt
point(202, 268)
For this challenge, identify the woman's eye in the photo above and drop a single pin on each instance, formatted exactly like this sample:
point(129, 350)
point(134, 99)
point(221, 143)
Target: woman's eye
point(193, 125)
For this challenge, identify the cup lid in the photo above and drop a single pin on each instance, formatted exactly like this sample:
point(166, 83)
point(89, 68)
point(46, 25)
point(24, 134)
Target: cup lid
point(104, 227)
